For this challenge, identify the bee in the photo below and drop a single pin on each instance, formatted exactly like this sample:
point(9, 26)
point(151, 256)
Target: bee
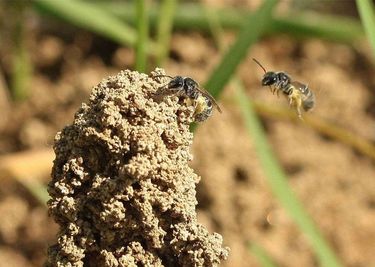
point(202, 101)
point(298, 94)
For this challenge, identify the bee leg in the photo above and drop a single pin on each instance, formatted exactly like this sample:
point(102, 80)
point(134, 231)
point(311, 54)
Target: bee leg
point(298, 108)
point(175, 92)
point(160, 93)
point(195, 105)
point(278, 91)
point(290, 101)
point(161, 89)
point(299, 114)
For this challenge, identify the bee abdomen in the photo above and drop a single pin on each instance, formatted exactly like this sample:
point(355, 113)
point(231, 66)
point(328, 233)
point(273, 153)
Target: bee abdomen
point(309, 101)
point(205, 110)
point(204, 115)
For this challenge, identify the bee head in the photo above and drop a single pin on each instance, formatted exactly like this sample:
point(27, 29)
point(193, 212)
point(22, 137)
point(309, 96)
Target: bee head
point(269, 78)
point(177, 83)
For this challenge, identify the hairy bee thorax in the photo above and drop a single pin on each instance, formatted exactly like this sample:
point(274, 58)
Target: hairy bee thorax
point(190, 88)
point(283, 81)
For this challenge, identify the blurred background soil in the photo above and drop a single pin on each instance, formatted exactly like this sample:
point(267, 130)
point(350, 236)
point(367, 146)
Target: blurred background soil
point(335, 183)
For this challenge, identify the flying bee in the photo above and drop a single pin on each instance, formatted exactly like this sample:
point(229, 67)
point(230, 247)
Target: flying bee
point(202, 101)
point(298, 94)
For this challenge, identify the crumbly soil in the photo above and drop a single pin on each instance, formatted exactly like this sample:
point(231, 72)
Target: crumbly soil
point(335, 183)
point(122, 191)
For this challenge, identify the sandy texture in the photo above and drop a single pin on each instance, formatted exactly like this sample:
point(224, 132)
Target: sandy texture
point(122, 191)
point(335, 183)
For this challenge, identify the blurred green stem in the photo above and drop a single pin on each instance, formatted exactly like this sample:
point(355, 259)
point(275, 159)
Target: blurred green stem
point(21, 63)
point(164, 30)
point(99, 19)
point(190, 16)
point(93, 17)
point(36, 189)
point(262, 256)
point(142, 37)
point(21, 72)
point(216, 29)
point(366, 12)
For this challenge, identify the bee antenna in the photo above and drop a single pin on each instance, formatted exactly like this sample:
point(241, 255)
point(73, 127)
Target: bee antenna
point(260, 65)
point(163, 75)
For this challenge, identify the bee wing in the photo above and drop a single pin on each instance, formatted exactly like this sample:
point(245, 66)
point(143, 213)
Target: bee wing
point(300, 86)
point(207, 94)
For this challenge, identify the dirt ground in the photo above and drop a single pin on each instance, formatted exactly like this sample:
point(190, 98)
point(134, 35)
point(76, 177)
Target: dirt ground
point(335, 183)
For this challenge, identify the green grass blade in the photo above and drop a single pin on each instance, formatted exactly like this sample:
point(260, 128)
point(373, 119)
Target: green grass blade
point(366, 12)
point(311, 24)
point(216, 28)
point(164, 30)
point(279, 185)
point(21, 68)
point(190, 16)
point(261, 255)
point(254, 25)
point(38, 190)
point(91, 17)
point(142, 40)
point(187, 16)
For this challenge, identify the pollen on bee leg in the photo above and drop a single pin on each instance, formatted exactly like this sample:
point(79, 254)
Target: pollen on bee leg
point(299, 113)
point(290, 101)
point(189, 102)
point(201, 105)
